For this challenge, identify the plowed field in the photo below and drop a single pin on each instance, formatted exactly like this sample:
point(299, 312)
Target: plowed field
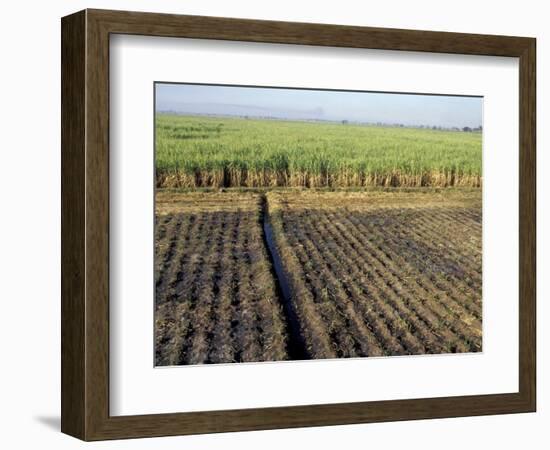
point(342, 274)
point(216, 298)
point(382, 273)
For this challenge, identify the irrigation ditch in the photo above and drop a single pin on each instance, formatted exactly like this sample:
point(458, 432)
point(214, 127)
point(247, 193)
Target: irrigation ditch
point(297, 349)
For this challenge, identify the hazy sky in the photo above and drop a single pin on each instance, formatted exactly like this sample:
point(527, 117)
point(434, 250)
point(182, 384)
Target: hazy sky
point(408, 109)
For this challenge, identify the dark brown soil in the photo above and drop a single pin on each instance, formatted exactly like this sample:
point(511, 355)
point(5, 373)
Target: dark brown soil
point(341, 274)
point(369, 280)
point(216, 299)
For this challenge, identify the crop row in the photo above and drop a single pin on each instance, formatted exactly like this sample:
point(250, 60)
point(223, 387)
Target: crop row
point(229, 152)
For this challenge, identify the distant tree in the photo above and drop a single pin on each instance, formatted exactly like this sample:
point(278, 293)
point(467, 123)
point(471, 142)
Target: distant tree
point(345, 122)
point(434, 128)
point(467, 129)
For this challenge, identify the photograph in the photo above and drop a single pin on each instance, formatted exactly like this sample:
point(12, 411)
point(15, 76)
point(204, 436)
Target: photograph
point(336, 218)
point(304, 224)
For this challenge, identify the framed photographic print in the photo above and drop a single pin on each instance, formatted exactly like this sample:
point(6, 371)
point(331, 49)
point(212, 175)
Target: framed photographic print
point(271, 224)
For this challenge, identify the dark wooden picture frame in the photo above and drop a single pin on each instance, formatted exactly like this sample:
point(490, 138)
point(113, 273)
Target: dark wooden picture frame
point(85, 224)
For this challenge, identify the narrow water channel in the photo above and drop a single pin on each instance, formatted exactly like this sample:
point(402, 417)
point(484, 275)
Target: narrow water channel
point(297, 348)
